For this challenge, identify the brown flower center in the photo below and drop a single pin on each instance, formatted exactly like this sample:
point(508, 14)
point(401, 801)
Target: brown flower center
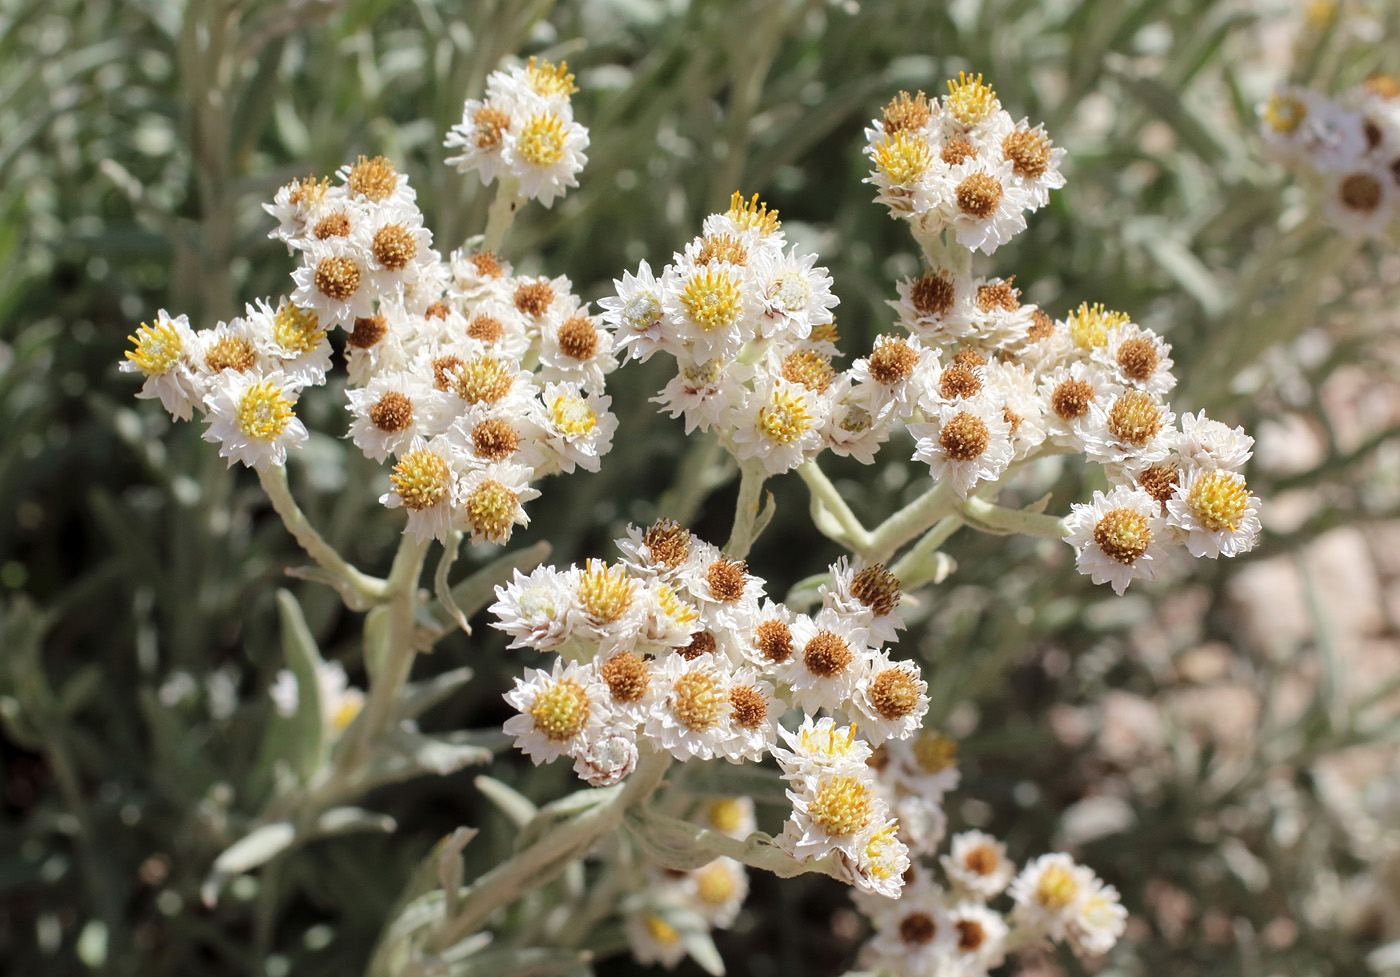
point(917, 928)
point(1041, 325)
point(726, 579)
point(578, 338)
point(445, 371)
point(487, 265)
point(1134, 419)
point(998, 295)
point(333, 225)
point(982, 860)
point(486, 329)
point(392, 413)
point(494, 439)
point(438, 310)
point(965, 437)
point(749, 707)
point(701, 643)
point(892, 360)
point(876, 588)
point(394, 246)
point(1361, 191)
point(894, 693)
point(1028, 151)
point(932, 294)
point(971, 935)
point(773, 639)
point(668, 542)
point(368, 331)
point(904, 112)
point(959, 381)
point(827, 654)
point(1071, 398)
point(491, 126)
point(1137, 358)
point(1123, 535)
point(534, 298)
point(809, 369)
point(626, 675)
point(374, 178)
point(957, 150)
point(337, 278)
point(978, 195)
point(1160, 481)
point(230, 353)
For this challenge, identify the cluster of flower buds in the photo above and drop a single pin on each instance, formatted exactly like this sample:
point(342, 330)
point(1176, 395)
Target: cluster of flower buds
point(524, 130)
point(954, 930)
point(1349, 144)
point(676, 649)
point(963, 165)
point(436, 351)
point(750, 326)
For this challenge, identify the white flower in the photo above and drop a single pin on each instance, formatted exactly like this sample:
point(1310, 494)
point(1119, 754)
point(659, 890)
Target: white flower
point(561, 711)
point(163, 354)
point(489, 502)
point(294, 338)
point(890, 699)
point(912, 934)
point(251, 418)
point(1214, 509)
point(979, 937)
point(544, 150)
point(388, 413)
point(705, 393)
point(986, 206)
point(832, 811)
point(635, 313)
point(1035, 163)
point(938, 306)
point(794, 293)
point(821, 746)
point(1098, 921)
point(968, 445)
point(1133, 432)
point(533, 609)
point(375, 181)
point(856, 426)
point(427, 483)
point(1362, 202)
point(907, 171)
point(923, 765)
point(334, 282)
point(1137, 357)
point(607, 609)
point(236, 346)
point(473, 274)
point(781, 425)
point(713, 308)
point(976, 862)
point(888, 375)
point(653, 939)
point(869, 596)
point(1014, 387)
point(692, 715)
point(1117, 537)
point(396, 245)
point(481, 137)
point(1205, 443)
point(297, 206)
point(660, 551)
point(606, 760)
point(922, 820)
point(731, 816)
point(754, 712)
point(830, 656)
point(1048, 892)
point(578, 428)
point(881, 863)
point(1070, 393)
point(574, 349)
point(717, 890)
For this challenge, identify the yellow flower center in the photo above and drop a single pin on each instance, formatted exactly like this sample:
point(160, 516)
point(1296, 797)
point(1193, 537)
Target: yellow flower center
point(573, 416)
point(1057, 888)
point(715, 884)
point(546, 78)
point(561, 710)
point(661, 931)
point(346, 712)
point(726, 814)
point(934, 753)
point(1123, 535)
point(491, 509)
point(785, 418)
point(483, 380)
point(969, 101)
point(674, 607)
point(752, 214)
point(542, 140)
point(711, 298)
point(422, 479)
point(903, 157)
point(605, 592)
point(264, 411)
point(158, 348)
point(842, 805)
point(1089, 326)
point(1285, 113)
point(1219, 500)
point(698, 701)
point(297, 329)
point(875, 850)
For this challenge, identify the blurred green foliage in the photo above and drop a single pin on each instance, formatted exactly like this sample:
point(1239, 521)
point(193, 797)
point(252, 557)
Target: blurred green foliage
point(137, 140)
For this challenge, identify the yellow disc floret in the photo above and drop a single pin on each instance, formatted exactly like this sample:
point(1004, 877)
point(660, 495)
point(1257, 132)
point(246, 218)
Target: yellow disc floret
point(712, 299)
point(903, 157)
point(483, 380)
point(752, 214)
point(561, 710)
point(264, 411)
point(422, 479)
point(546, 78)
point(714, 884)
point(572, 416)
point(726, 814)
point(934, 752)
point(491, 509)
point(1123, 535)
point(158, 348)
point(785, 418)
point(605, 592)
point(1285, 113)
point(1089, 326)
point(297, 329)
point(542, 140)
point(1219, 500)
point(1057, 888)
point(698, 701)
point(841, 805)
point(969, 101)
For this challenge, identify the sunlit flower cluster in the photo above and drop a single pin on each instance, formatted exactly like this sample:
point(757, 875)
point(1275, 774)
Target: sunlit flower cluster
point(961, 163)
point(435, 353)
point(957, 930)
point(523, 130)
point(1349, 145)
point(675, 649)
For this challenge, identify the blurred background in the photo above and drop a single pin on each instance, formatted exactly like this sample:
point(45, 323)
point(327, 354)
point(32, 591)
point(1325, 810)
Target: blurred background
point(1219, 745)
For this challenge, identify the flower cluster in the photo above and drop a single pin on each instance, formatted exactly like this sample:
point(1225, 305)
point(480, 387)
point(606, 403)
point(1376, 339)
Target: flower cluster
point(676, 649)
point(955, 930)
point(963, 164)
point(524, 130)
point(1350, 145)
point(436, 355)
point(750, 325)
